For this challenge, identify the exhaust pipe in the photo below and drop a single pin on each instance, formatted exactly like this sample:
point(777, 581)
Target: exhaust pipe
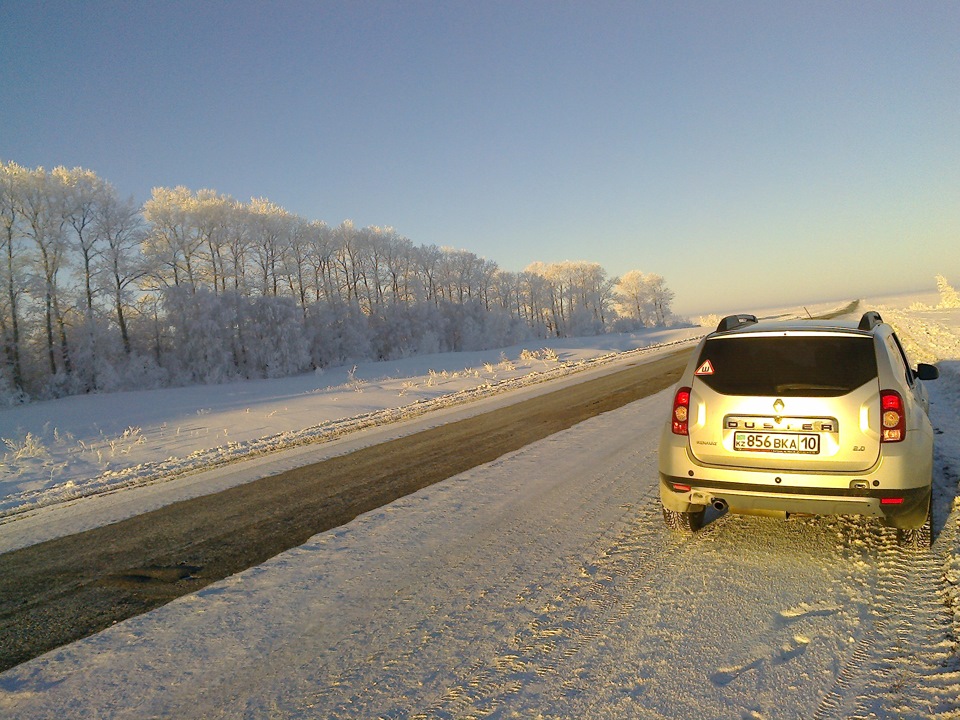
point(719, 504)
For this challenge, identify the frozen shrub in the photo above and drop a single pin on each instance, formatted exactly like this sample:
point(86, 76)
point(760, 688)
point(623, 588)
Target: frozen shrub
point(30, 447)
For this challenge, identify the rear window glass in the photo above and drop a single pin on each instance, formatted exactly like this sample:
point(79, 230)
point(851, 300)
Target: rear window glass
point(789, 366)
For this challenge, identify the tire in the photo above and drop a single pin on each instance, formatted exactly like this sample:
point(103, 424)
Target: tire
point(688, 522)
point(917, 539)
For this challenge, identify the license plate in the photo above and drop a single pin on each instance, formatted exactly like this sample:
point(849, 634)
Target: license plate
point(777, 442)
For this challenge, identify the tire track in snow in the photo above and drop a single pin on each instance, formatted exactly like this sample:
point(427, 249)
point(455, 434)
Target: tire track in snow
point(542, 659)
point(644, 575)
point(412, 642)
point(857, 671)
point(883, 678)
point(636, 672)
point(351, 686)
point(534, 598)
point(916, 670)
point(435, 624)
point(576, 616)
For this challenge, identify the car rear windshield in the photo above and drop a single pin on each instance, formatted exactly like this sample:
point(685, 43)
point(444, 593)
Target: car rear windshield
point(790, 365)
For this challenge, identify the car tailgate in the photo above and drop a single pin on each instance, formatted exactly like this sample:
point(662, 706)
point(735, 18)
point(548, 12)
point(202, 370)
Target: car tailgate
point(836, 434)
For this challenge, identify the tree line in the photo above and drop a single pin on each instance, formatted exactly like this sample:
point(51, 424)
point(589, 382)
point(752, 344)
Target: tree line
point(100, 293)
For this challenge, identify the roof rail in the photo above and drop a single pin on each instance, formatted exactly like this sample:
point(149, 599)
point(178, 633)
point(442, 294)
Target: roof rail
point(870, 320)
point(734, 321)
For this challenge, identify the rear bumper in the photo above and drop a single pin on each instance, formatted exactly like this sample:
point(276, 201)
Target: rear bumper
point(902, 509)
point(904, 473)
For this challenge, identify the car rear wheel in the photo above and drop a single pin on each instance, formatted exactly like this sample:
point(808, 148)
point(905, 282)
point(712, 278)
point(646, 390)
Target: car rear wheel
point(917, 538)
point(684, 521)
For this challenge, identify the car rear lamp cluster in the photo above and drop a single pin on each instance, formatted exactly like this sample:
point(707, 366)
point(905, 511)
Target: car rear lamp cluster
point(893, 418)
point(681, 411)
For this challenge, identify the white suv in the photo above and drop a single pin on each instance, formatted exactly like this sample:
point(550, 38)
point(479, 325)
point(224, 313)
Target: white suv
point(800, 417)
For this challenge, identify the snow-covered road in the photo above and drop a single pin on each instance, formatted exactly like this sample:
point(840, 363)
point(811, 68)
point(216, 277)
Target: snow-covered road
point(545, 585)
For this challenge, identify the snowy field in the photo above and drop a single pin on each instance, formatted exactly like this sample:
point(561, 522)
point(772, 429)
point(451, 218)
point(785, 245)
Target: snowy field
point(540, 585)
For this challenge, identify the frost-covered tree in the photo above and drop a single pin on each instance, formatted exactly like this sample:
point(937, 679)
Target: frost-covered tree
point(427, 269)
point(662, 299)
point(298, 269)
point(376, 241)
point(209, 216)
point(634, 298)
point(339, 334)
point(535, 292)
point(173, 241)
point(98, 294)
point(643, 298)
point(83, 192)
point(198, 347)
point(11, 271)
point(320, 260)
point(572, 298)
point(42, 206)
point(122, 265)
point(948, 296)
point(276, 345)
point(270, 228)
point(236, 247)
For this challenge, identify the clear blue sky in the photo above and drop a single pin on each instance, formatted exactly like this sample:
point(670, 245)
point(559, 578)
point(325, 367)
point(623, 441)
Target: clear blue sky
point(752, 153)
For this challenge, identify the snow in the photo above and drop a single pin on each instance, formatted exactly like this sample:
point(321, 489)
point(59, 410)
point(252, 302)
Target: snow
point(543, 584)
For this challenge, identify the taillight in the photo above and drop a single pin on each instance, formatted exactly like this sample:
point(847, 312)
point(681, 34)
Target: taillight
point(893, 419)
point(681, 411)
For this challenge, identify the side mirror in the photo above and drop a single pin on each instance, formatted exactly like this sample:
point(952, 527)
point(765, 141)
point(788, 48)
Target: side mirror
point(927, 372)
